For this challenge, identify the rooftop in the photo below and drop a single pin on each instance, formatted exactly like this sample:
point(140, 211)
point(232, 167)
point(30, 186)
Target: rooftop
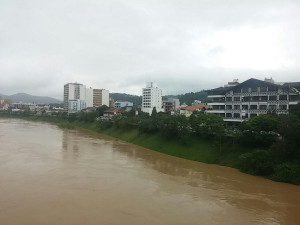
point(192, 108)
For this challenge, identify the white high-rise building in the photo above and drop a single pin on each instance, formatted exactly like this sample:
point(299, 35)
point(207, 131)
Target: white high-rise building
point(152, 97)
point(73, 91)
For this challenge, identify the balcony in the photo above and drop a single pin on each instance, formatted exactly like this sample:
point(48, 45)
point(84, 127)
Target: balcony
point(215, 110)
point(216, 103)
point(215, 96)
point(232, 119)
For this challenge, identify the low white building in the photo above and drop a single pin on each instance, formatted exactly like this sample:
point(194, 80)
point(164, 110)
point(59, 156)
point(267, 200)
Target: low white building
point(121, 104)
point(76, 105)
point(22, 105)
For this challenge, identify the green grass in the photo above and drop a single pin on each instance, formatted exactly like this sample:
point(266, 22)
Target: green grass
point(202, 150)
point(193, 149)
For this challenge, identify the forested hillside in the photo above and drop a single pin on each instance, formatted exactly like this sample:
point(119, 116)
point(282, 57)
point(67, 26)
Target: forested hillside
point(187, 98)
point(126, 97)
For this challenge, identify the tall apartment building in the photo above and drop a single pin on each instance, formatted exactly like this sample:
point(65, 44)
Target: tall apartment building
point(152, 97)
point(73, 91)
point(100, 97)
point(78, 97)
point(241, 101)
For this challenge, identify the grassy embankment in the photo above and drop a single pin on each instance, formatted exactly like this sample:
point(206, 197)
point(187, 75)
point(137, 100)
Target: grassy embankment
point(207, 151)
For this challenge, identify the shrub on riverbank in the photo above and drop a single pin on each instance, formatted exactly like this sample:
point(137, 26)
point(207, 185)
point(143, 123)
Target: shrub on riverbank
point(287, 172)
point(258, 162)
point(66, 126)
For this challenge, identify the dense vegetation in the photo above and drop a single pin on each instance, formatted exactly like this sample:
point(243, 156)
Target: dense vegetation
point(266, 145)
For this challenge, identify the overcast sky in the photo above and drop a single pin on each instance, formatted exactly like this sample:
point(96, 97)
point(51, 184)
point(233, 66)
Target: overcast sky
point(117, 45)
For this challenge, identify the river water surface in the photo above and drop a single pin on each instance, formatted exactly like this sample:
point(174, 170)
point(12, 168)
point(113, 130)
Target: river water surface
point(53, 176)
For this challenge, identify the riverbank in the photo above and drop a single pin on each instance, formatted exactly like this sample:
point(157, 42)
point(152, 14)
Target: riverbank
point(206, 151)
point(194, 148)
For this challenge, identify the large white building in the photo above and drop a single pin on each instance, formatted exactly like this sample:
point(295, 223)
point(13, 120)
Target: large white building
point(78, 97)
point(73, 91)
point(241, 101)
point(152, 97)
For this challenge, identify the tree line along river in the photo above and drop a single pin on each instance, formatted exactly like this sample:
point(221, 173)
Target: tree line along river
point(51, 176)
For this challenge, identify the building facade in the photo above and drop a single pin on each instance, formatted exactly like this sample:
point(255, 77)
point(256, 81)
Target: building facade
point(76, 105)
point(73, 91)
point(89, 97)
point(100, 97)
point(122, 104)
point(4, 104)
point(112, 112)
point(189, 110)
point(111, 102)
point(152, 97)
point(171, 105)
point(239, 102)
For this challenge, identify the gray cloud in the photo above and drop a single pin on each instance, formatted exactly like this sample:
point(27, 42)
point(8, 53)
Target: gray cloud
point(119, 45)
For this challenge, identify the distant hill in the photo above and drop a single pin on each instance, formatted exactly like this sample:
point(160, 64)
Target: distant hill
point(189, 98)
point(26, 98)
point(131, 98)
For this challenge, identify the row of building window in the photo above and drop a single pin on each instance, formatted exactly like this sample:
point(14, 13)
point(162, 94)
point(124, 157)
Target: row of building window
point(254, 98)
point(255, 89)
point(237, 115)
point(246, 107)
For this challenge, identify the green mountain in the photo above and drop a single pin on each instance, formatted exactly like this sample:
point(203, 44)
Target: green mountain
point(137, 100)
point(26, 98)
point(187, 98)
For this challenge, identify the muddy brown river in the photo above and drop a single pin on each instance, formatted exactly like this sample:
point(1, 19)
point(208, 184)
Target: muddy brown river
point(53, 176)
